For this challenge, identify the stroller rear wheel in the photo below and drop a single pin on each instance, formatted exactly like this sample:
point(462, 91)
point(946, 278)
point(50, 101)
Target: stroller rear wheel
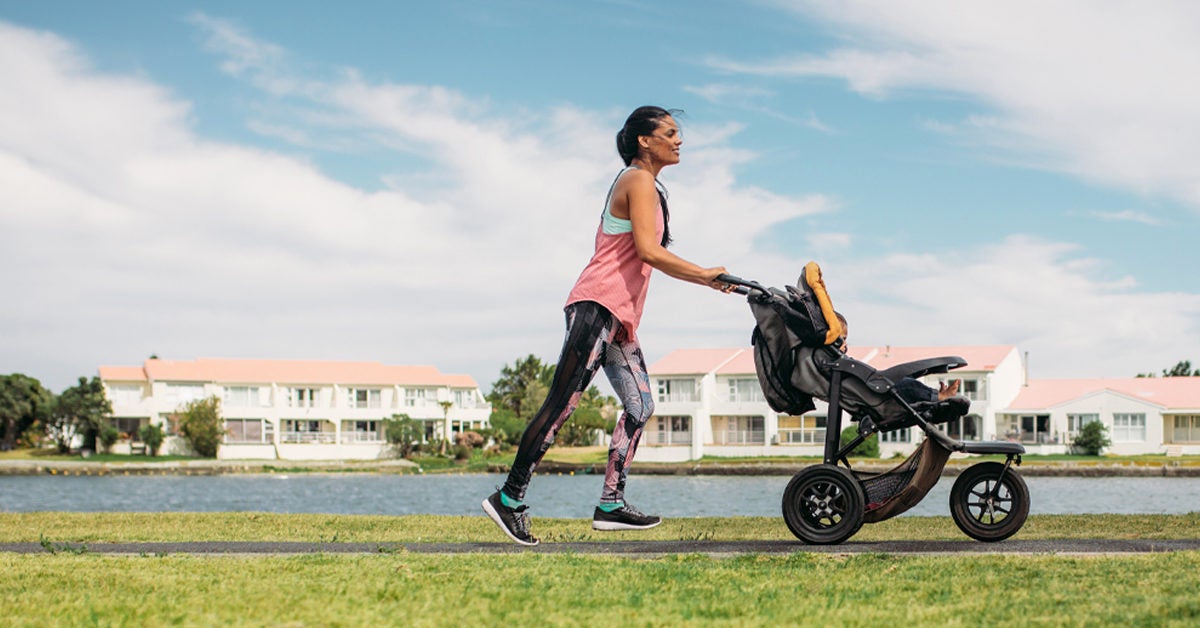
point(823, 505)
point(986, 506)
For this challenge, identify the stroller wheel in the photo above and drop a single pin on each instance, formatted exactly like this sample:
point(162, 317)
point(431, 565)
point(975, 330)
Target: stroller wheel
point(823, 505)
point(986, 507)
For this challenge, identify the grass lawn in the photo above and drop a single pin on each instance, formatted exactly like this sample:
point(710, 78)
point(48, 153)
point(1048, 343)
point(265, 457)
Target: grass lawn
point(82, 587)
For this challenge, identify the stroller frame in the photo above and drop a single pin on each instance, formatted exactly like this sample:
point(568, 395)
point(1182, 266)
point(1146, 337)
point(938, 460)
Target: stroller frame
point(827, 503)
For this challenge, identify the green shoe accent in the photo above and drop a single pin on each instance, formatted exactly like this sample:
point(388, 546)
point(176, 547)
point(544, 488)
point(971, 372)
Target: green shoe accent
point(508, 501)
point(606, 507)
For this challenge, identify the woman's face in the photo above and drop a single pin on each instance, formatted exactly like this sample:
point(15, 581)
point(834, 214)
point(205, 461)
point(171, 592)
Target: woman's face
point(663, 145)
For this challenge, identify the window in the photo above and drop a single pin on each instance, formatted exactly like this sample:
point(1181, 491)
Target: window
point(903, 435)
point(1128, 427)
point(303, 397)
point(363, 397)
point(183, 393)
point(972, 389)
point(1187, 429)
point(1075, 422)
point(128, 427)
point(415, 397)
point(669, 430)
point(241, 396)
point(677, 390)
point(802, 430)
point(305, 431)
point(741, 430)
point(745, 390)
point(125, 394)
point(464, 398)
point(968, 427)
point(361, 432)
point(249, 431)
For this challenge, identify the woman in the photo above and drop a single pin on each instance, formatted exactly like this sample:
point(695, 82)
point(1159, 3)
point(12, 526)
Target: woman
point(602, 312)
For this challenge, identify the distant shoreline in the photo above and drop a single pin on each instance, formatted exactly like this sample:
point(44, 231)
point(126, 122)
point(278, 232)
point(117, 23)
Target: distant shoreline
point(406, 467)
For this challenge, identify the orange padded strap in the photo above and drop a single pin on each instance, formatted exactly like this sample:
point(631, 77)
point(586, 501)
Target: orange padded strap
point(812, 276)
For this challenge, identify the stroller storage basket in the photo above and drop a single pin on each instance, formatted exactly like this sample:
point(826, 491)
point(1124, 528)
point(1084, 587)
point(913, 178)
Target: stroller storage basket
point(895, 491)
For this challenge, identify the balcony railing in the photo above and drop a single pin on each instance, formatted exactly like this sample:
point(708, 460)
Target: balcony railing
point(740, 437)
point(327, 438)
point(361, 437)
point(667, 438)
point(802, 436)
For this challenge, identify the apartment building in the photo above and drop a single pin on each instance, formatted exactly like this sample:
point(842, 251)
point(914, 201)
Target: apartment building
point(291, 409)
point(708, 402)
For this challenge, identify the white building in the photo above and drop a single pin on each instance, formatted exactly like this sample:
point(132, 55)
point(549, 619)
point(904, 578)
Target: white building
point(708, 402)
point(293, 410)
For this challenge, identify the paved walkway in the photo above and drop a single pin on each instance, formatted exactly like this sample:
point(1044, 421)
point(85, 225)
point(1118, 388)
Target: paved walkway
point(643, 549)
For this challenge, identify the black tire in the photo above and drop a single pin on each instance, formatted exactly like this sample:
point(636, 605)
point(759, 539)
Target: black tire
point(985, 516)
point(823, 505)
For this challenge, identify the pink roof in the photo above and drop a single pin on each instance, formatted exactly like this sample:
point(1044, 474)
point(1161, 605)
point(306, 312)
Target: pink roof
point(695, 361)
point(741, 361)
point(284, 372)
point(1168, 392)
point(979, 358)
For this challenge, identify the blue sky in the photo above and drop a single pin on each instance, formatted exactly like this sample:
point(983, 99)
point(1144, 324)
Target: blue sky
point(419, 182)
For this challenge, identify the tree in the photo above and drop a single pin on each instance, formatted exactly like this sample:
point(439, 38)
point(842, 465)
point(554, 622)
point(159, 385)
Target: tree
point(1092, 438)
point(869, 448)
point(81, 409)
point(1182, 368)
point(511, 390)
point(200, 425)
point(153, 436)
point(403, 433)
point(23, 402)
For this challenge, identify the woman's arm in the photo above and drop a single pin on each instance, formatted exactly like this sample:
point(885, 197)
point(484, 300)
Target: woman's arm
point(642, 201)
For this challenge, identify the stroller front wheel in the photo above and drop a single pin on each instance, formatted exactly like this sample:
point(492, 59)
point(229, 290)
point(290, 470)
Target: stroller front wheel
point(987, 506)
point(823, 505)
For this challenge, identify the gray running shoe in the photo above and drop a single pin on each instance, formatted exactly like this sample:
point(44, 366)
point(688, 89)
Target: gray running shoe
point(513, 521)
point(624, 518)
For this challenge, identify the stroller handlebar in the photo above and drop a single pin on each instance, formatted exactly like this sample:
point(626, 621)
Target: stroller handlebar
point(742, 286)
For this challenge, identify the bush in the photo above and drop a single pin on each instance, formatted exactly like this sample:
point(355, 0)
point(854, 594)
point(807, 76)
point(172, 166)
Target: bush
point(472, 440)
point(200, 425)
point(153, 436)
point(1092, 439)
point(108, 436)
point(867, 449)
point(462, 453)
point(403, 433)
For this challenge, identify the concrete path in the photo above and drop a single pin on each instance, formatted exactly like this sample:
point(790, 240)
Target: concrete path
point(636, 549)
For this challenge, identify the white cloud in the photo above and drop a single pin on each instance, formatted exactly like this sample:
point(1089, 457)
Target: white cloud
point(1127, 215)
point(136, 235)
point(1096, 90)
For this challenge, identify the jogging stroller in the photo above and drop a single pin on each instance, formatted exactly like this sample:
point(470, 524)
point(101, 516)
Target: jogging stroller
point(797, 350)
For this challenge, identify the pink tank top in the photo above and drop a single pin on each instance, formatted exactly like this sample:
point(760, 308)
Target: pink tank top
point(616, 277)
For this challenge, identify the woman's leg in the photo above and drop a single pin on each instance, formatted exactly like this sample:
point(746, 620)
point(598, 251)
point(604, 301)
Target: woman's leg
point(589, 330)
point(626, 371)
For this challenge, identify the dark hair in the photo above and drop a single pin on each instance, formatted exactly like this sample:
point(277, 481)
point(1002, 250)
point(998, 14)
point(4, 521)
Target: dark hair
point(644, 121)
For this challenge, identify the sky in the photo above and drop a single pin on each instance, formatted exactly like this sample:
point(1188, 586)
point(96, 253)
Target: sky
point(420, 183)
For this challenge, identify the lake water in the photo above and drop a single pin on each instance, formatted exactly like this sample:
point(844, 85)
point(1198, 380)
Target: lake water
point(549, 496)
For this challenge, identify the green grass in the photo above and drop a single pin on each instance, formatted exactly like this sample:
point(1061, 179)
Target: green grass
point(78, 586)
point(543, 589)
point(65, 527)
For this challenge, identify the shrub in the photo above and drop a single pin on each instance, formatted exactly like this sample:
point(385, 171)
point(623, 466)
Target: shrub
point(403, 433)
point(200, 425)
point(108, 435)
point(462, 453)
point(1092, 439)
point(867, 449)
point(153, 436)
point(470, 439)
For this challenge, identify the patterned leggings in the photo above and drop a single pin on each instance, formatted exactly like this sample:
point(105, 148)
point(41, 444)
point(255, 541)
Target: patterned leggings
point(591, 342)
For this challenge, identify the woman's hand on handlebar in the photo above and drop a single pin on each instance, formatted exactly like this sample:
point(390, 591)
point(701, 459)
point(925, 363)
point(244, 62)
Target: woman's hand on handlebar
point(710, 278)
